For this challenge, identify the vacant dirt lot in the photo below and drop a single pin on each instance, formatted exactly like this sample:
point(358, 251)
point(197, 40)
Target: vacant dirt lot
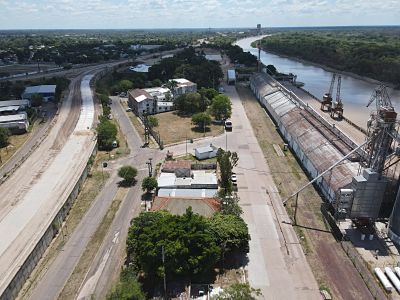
point(174, 128)
point(331, 266)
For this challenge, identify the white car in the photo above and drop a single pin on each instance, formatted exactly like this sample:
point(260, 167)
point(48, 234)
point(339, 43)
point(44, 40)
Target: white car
point(234, 178)
point(228, 125)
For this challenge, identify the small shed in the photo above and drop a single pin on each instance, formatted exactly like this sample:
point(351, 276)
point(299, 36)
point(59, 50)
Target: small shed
point(206, 152)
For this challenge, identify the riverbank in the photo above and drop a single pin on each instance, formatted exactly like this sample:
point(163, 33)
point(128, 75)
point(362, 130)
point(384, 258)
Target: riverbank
point(330, 69)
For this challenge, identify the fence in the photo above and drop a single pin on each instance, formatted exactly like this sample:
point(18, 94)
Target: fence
point(155, 135)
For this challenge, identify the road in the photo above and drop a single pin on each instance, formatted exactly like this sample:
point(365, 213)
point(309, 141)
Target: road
point(38, 189)
point(108, 259)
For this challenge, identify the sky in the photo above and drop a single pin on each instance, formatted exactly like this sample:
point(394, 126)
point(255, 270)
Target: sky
point(132, 14)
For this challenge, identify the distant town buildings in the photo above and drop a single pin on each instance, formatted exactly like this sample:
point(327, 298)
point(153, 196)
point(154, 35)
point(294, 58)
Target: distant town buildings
point(46, 91)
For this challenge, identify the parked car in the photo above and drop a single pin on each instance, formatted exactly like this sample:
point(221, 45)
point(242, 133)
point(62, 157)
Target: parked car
point(129, 109)
point(234, 179)
point(228, 125)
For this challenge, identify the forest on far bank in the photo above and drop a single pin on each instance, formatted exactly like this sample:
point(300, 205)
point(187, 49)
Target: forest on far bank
point(371, 53)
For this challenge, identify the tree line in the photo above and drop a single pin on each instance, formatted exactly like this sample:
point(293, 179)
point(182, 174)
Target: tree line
point(366, 53)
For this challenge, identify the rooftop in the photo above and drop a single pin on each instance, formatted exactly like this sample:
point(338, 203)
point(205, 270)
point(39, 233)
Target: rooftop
point(202, 206)
point(172, 165)
point(13, 118)
point(40, 89)
point(24, 102)
point(205, 149)
point(182, 82)
point(139, 95)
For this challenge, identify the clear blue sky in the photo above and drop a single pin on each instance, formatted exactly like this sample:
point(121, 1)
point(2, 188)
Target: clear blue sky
point(49, 14)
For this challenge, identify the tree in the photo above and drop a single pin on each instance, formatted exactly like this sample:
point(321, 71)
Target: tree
point(128, 174)
point(201, 119)
point(153, 121)
point(221, 107)
point(239, 291)
point(125, 85)
point(106, 134)
point(230, 204)
point(156, 82)
point(36, 100)
point(17, 89)
point(271, 69)
point(127, 289)
point(4, 137)
point(149, 184)
point(189, 103)
point(189, 246)
point(226, 161)
point(231, 232)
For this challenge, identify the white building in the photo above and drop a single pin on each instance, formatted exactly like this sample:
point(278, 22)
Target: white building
point(22, 104)
point(151, 101)
point(46, 91)
point(141, 102)
point(184, 86)
point(15, 123)
point(206, 152)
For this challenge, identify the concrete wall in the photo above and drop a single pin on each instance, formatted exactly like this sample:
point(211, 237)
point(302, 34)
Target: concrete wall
point(25, 270)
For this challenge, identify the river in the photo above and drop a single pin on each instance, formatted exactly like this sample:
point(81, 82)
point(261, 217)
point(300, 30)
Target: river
point(355, 93)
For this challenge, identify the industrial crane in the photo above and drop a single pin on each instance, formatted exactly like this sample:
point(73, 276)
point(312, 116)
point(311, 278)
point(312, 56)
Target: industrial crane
point(381, 129)
point(338, 105)
point(327, 98)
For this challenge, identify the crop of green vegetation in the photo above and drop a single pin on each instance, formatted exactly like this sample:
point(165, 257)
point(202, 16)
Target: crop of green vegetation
point(374, 53)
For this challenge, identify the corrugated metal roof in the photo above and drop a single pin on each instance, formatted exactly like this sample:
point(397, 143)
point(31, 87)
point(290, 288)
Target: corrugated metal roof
point(41, 89)
point(13, 118)
point(24, 102)
point(319, 148)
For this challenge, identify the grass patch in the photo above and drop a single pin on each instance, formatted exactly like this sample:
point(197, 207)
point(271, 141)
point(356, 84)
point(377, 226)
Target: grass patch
point(74, 282)
point(174, 128)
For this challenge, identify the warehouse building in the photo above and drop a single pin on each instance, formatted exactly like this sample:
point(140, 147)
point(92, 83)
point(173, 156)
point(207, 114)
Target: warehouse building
point(318, 145)
point(16, 123)
point(48, 92)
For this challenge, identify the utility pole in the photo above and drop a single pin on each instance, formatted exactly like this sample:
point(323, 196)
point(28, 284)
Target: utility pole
point(165, 275)
point(150, 166)
point(226, 141)
point(186, 143)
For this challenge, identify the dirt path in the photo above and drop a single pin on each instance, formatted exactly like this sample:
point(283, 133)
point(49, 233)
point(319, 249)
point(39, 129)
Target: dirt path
point(331, 266)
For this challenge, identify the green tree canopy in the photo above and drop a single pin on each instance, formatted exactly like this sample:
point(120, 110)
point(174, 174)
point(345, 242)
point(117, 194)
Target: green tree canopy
point(189, 247)
point(125, 85)
point(127, 289)
point(230, 231)
point(230, 204)
point(36, 100)
point(226, 160)
point(4, 137)
point(201, 119)
point(221, 107)
point(149, 184)
point(106, 134)
point(128, 174)
point(239, 291)
point(153, 121)
point(189, 103)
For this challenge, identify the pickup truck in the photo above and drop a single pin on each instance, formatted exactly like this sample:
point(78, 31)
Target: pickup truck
point(228, 125)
